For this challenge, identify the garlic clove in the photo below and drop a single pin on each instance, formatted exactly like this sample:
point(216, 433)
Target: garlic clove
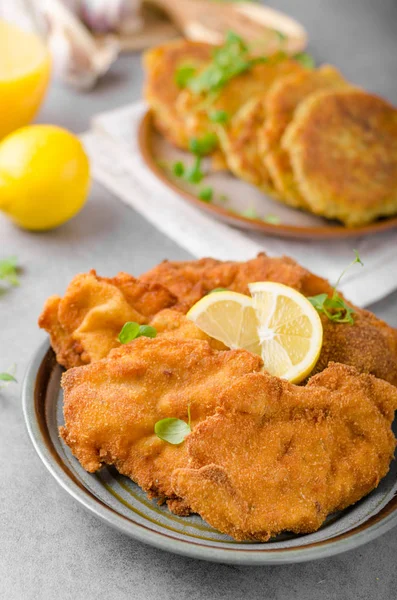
point(78, 58)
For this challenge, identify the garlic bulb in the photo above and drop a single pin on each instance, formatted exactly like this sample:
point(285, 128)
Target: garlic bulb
point(78, 58)
point(104, 16)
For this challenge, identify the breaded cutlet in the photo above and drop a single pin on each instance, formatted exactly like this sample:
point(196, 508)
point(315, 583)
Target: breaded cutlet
point(343, 150)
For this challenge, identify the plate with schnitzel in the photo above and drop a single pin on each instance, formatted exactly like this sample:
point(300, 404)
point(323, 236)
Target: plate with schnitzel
point(193, 445)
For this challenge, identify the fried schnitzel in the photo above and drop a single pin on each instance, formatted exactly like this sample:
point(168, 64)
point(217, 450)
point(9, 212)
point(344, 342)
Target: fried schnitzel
point(84, 324)
point(111, 406)
point(370, 344)
point(191, 280)
point(278, 457)
point(172, 324)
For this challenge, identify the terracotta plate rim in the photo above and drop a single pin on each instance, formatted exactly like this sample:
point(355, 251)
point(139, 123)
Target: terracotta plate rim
point(146, 128)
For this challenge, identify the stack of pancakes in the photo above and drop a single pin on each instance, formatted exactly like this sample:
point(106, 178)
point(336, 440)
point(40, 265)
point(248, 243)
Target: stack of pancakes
point(308, 138)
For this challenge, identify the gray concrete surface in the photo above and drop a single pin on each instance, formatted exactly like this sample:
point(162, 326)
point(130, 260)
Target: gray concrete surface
point(50, 548)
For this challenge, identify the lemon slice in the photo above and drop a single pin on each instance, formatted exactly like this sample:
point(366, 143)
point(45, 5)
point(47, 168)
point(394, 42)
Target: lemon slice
point(278, 323)
point(289, 329)
point(228, 317)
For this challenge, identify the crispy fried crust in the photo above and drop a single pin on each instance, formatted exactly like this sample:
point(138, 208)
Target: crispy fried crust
point(369, 345)
point(280, 105)
point(172, 324)
point(111, 407)
point(85, 323)
point(278, 457)
point(343, 150)
point(191, 280)
point(239, 141)
point(233, 95)
point(161, 90)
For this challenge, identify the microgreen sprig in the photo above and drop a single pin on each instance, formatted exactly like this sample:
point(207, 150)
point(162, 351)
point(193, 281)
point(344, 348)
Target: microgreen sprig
point(178, 168)
point(173, 430)
point(184, 74)
point(204, 145)
point(228, 61)
point(7, 377)
point(9, 270)
point(206, 194)
point(219, 116)
point(194, 174)
point(272, 219)
point(131, 330)
point(334, 307)
point(305, 59)
point(282, 37)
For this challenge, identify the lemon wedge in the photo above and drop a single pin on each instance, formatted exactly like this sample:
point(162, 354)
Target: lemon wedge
point(277, 322)
point(289, 329)
point(228, 317)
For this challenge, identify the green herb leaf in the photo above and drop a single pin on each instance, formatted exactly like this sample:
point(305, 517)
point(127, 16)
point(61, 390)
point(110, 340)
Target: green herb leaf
point(219, 116)
point(183, 75)
point(281, 36)
point(215, 290)
point(250, 213)
point(206, 194)
point(306, 60)
point(334, 307)
point(228, 61)
point(7, 377)
point(204, 145)
point(272, 219)
point(178, 168)
point(8, 270)
point(355, 261)
point(194, 174)
point(132, 330)
point(147, 331)
point(223, 198)
point(318, 301)
point(129, 332)
point(172, 430)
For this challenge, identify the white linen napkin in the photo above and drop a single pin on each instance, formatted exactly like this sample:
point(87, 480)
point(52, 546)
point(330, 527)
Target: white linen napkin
point(117, 164)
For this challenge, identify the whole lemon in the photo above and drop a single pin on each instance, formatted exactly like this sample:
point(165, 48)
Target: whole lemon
point(44, 176)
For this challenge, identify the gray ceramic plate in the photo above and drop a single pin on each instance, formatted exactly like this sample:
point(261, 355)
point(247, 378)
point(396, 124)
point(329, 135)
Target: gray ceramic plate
point(120, 503)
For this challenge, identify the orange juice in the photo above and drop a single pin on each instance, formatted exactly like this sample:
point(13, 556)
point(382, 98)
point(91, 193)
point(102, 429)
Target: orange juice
point(24, 75)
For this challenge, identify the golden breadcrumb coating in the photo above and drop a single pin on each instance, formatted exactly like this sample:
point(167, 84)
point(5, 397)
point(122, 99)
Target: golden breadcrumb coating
point(343, 151)
point(280, 104)
point(239, 140)
point(278, 457)
point(111, 406)
point(161, 90)
point(85, 323)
